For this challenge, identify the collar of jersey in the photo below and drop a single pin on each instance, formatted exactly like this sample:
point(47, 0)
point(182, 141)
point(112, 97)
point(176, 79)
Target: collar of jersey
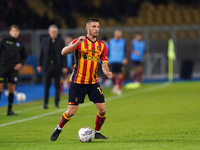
point(90, 40)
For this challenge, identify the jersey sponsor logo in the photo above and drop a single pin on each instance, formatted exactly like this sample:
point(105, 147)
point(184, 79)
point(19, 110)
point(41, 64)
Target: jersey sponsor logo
point(92, 58)
point(93, 51)
point(17, 44)
point(9, 42)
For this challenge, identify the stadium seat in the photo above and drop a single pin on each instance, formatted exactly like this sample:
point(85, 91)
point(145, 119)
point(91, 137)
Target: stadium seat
point(27, 73)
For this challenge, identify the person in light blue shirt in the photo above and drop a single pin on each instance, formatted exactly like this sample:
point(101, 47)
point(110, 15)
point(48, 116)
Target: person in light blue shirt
point(117, 57)
point(137, 56)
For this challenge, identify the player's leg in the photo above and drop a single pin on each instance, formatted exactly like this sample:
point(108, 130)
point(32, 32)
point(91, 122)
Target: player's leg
point(140, 74)
point(100, 119)
point(2, 78)
point(135, 71)
point(11, 90)
point(57, 88)
point(76, 95)
point(12, 80)
point(66, 116)
point(120, 78)
point(115, 83)
point(114, 78)
point(96, 95)
point(47, 83)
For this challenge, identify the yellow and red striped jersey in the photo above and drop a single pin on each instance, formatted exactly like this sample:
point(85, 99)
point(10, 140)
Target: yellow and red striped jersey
point(87, 55)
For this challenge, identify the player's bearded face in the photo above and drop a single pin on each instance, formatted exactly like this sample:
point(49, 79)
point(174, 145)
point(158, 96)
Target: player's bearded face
point(93, 29)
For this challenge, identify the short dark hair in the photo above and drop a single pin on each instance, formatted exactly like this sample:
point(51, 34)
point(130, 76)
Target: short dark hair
point(14, 26)
point(92, 20)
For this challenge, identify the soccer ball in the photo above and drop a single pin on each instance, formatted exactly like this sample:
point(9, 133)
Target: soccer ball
point(21, 97)
point(86, 134)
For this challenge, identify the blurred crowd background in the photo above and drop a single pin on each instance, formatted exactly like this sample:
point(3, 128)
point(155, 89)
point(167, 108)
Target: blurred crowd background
point(38, 14)
point(158, 20)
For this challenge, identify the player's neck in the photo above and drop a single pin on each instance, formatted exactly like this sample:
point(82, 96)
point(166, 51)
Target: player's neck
point(92, 38)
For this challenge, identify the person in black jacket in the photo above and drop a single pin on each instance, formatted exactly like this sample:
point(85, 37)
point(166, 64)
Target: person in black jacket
point(12, 57)
point(52, 62)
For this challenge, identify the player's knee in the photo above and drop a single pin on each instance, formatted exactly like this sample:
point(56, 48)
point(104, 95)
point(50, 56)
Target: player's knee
point(71, 112)
point(11, 88)
point(102, 111)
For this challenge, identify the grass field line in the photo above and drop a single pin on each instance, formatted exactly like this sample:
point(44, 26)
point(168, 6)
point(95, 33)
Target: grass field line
point(157, 87)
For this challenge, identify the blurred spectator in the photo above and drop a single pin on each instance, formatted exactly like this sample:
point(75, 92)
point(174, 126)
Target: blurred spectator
point(52, 62)
point(136, 56)
point(17, 12)
point(117, 56)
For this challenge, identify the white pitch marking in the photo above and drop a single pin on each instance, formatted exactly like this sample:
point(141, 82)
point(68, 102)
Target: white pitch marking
point(88, 104)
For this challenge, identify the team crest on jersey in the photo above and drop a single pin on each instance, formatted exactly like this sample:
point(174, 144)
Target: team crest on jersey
point(98, 47)
point(15, 78)
point(17, 44)
point(76, 99)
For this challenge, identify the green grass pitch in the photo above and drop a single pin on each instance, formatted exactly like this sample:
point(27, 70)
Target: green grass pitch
point(153, 117)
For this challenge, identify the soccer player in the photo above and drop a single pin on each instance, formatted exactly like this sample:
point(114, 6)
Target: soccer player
point(13, 56)
point(87, 50)
point(137, 56)
point(117, 56)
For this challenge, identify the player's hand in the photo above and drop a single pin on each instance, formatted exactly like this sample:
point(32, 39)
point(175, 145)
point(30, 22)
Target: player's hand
point(39, 69)
point(125, 61)
point(109, 75)
point(64, 70)
point(81, 39)
point(18, 66)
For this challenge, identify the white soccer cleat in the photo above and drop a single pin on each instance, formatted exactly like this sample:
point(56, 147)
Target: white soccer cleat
point(114, 89)
point(119, 92)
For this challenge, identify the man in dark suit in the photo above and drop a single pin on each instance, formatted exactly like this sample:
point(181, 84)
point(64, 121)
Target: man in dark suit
point(52, 62)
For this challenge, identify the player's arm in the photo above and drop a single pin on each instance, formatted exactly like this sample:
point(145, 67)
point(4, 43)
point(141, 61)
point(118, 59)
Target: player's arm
point(104, 65)
point(106, 70)
point(70, 48)
point(22, 60)
point(41, 56)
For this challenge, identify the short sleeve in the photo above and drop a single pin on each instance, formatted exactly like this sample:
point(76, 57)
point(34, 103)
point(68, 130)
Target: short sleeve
point(104, 58)
point(74, 41)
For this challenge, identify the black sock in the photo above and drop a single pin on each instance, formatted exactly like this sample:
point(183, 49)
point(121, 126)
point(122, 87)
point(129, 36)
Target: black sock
point(10, 101)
